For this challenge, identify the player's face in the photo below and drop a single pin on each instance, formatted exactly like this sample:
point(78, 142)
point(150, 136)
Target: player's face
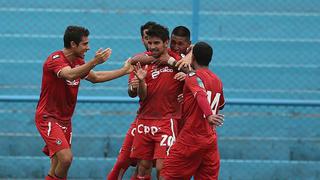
point(179, 44)
point(156, 46)
point(145, 39)
point(82, 48)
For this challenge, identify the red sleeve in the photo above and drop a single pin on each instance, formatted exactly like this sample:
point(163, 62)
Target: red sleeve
point(56, 63)
point(195, 84)
point(204, 103)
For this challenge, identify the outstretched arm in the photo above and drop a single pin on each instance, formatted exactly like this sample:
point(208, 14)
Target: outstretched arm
point(80, 71)
point(102, 76)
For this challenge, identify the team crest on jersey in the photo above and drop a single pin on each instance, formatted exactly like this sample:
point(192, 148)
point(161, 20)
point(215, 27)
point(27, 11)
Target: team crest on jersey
point(58, 142)
point(56, 56)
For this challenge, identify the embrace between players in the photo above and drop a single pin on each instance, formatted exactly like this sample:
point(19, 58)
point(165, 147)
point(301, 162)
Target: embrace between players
point(179, 98)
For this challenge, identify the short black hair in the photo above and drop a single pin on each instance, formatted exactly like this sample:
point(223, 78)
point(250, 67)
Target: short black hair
point(202, 52)
point(159, 31)
point(181, 31)
point(147, 25)
point(75, 34)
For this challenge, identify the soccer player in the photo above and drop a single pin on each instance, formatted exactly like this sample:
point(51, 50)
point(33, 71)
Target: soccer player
point(62, 72)
point(180, 40)
point(159, 109)
point(124, 160)
point(195, 153)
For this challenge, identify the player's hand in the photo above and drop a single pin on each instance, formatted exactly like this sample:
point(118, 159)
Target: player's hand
point(184, 62)
point(189, 48)
point(180, 76)
point(102, 55)
point(127, 66)
point(180, 98)
point(140, 72)
point(216, 119)
point(162, 60)
point(134, 83)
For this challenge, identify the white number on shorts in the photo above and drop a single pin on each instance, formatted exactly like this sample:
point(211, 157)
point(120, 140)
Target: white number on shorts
point(166, 140)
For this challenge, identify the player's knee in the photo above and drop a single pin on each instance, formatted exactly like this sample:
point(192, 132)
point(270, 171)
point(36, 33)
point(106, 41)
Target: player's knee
point(159, 164)
point(65, 158)
point(144, 167)
point(66, 161)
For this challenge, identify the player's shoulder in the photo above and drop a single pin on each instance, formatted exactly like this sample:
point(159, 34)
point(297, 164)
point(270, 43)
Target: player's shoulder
point(56, 55)
point(173, 54)
point(191, 75)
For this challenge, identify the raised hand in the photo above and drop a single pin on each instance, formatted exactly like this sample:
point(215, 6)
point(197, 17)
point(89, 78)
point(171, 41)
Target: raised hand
point(102, 55)
point(140, 72)
point(180, 76)
point(127, 66)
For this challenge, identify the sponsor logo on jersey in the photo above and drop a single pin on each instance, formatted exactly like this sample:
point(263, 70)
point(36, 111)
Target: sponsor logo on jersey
point(156, 72)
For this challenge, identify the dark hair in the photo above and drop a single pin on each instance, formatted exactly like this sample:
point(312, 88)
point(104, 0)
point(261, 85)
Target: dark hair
point(147, 25)
point(202, 53)
point(181, 31)
point(75, 34)
point(159, 31)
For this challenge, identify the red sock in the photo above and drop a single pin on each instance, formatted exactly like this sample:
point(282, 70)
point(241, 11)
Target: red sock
point(59, 178)
point(48, 177)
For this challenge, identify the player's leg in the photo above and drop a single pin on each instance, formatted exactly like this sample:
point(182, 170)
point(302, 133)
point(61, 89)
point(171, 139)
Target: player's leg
point(123, 160)
point(209, 168)
point(181, 163)
point(144, 169)
point(143, 148)
point(57, 138)
point(164, 139)
point(53, 165)
point(64, 158)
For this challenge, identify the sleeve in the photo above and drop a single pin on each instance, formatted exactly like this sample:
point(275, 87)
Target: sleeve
point(195, 85)
point(221, 100)
point(56, 63)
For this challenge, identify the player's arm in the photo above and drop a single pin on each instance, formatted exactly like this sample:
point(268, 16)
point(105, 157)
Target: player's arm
point(183, 64)
point(200, 95)
point(141, 75)
point(81, 71)
point(142, 59)
point(102, 76)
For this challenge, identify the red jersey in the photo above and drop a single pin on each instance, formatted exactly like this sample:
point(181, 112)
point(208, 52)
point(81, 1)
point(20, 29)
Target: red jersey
point(58, 96)
point(196, 129)
point(162, 92)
